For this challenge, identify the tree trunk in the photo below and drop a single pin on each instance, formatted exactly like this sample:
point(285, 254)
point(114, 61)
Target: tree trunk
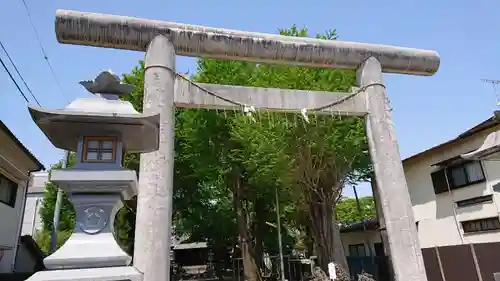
point(258, 231)
point(308, 238)
point(245, 240)
point(327, 243)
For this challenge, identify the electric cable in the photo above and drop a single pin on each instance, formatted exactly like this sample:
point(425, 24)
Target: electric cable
point(18, 73)
point(45, 56)
point(14, 80)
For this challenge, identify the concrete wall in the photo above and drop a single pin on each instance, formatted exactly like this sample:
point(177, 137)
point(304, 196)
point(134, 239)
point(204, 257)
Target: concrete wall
point(368, 238)
point(437, 215)
point(9, 227)
point(32, 221)
point(15, 165)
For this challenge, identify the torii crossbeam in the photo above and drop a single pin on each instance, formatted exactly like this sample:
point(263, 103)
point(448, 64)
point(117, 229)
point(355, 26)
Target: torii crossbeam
point(162, 41)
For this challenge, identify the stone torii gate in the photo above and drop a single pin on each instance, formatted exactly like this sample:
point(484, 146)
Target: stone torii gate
point(162, 41)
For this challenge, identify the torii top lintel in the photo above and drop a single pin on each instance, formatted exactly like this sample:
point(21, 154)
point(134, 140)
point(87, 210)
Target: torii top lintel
point(129, 33)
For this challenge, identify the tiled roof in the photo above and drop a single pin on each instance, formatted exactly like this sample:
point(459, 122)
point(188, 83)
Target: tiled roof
point(360, 226)
point(4, 128)
point(487, 124)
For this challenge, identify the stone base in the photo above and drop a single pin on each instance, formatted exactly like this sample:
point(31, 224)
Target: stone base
point(88, 251)
point(124, 273)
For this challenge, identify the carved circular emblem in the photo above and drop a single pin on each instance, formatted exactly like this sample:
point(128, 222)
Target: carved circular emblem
point(93, 221)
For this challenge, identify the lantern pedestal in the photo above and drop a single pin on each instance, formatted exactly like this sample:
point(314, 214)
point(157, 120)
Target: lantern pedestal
point(92, 243)
point(122, 273)
point(96, 196)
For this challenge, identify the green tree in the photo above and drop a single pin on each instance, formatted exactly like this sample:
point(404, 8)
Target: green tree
point(347, 210)
point(67, 214)
point(313, 160)
point(228, 155)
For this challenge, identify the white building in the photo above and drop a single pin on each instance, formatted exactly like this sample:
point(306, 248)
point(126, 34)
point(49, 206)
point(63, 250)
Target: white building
point(32, 221)
point(455, 201)
point(16, 164)
point(454, 189)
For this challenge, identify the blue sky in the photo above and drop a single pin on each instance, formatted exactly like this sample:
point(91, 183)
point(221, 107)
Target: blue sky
point(427, 110)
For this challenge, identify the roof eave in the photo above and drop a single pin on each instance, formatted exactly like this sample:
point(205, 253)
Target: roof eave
point(487, 124)
point(32, 157)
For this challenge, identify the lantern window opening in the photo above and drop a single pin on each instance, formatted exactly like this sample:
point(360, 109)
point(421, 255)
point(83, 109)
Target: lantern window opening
point(99, 149)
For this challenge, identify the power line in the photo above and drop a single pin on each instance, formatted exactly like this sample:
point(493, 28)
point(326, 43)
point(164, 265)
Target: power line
point(13, 80)
point(18, 73)
point(42, 48)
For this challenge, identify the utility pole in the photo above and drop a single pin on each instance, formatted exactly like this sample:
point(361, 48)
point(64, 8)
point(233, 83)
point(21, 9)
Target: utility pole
point(280, 243)
point(57, 209)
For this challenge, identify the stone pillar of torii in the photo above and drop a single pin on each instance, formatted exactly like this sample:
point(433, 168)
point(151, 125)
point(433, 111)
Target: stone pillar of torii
point(162, 41)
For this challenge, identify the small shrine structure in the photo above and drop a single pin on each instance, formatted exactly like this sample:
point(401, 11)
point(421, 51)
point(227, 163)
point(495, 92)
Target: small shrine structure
point(99, 129)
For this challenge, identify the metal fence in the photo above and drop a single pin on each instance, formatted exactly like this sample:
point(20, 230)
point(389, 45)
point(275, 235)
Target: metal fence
point(377, 266)
point(470, 262)
point(295, 269)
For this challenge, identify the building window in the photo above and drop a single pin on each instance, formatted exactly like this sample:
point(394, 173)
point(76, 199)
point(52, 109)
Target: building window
point(457, 176)
point(465, 174)
point(475, 201)
point(357, 250)
point(99, 149)
point(8, 191)
point(481, 225)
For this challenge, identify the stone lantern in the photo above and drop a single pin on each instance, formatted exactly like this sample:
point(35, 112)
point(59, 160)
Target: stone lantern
point(99, 129)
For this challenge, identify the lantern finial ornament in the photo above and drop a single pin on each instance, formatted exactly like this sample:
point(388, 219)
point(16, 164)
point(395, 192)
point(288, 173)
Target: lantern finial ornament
point(107, 83)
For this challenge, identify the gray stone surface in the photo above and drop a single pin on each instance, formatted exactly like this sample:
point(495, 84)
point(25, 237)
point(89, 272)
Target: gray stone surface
point(154, 201)
point(96, 196)
point(103, 114)
point(120, 181)
point(130, 33)
point(108, 85)
point(404, 248)
point(381, 221)
point(187, 95)
point(64, 127)
point(92, 244)
point(126, 273)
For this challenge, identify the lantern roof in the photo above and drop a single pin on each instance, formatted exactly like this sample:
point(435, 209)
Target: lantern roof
point(102, 114)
